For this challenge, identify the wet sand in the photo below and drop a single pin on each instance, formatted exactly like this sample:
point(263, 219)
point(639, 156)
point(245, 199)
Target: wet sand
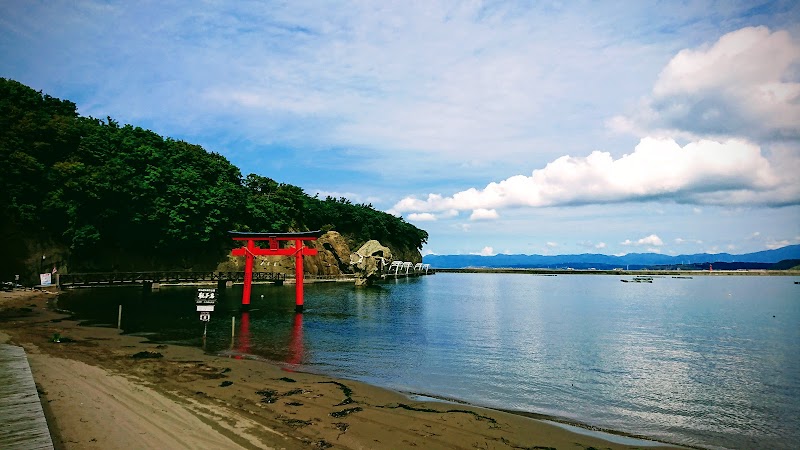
point(104, 390)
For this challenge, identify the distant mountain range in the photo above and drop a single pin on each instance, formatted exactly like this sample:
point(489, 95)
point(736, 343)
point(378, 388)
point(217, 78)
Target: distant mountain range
point(762, 259)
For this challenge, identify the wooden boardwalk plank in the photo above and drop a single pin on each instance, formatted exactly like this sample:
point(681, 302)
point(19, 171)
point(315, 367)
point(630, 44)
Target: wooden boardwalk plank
point(22, 421)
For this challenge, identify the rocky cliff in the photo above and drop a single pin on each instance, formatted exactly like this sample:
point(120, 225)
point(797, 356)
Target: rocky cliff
point(333, 258)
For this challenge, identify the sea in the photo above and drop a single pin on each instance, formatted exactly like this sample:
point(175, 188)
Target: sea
point(706, 361)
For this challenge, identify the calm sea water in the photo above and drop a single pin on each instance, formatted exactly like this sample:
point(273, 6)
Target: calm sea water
point(709, 361)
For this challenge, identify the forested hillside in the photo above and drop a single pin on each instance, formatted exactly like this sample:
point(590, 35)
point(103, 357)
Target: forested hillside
point(97, 195)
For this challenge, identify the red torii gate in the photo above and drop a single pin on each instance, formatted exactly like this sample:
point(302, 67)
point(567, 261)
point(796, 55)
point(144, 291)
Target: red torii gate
point(250, 250)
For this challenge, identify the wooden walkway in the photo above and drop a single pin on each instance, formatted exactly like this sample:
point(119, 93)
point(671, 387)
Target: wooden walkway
point(69, 280)
point(22, 422)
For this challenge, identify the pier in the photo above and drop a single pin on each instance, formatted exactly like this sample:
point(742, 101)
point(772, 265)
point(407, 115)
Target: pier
point(156, 279)
point(22, 421)
point(400, 269)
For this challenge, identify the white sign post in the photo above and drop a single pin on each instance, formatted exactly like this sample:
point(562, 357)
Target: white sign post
point(205, 301)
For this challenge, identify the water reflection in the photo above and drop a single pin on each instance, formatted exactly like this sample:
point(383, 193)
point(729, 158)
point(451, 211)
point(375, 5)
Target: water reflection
point(677, 360)
point(295, 348)
point(295, 356)
point(244, 334)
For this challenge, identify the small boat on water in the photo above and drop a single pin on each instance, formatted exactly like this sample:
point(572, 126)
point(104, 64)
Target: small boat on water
point(687, 278)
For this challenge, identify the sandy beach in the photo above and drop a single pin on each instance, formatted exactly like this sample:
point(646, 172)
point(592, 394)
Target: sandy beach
point(104, 390)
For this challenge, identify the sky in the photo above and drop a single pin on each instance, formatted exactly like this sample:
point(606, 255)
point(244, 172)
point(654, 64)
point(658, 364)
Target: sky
point(497, 126)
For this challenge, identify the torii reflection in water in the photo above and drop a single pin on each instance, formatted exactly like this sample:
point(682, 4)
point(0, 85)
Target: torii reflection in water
point(296, 349)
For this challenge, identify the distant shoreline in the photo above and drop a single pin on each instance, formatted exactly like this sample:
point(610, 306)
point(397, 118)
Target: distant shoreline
point(539, 271)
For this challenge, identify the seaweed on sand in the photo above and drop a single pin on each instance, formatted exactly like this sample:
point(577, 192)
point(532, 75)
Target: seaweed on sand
point(147, 355)
point(430, 410)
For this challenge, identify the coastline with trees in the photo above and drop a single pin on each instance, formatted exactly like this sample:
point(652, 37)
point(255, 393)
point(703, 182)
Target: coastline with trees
point(86, 194)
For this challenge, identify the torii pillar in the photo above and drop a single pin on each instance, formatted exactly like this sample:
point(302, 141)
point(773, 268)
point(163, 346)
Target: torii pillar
point(250, 251)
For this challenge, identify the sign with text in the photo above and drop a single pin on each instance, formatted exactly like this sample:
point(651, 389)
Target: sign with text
point(205, 300)
point(45, 279)
point(206, 296)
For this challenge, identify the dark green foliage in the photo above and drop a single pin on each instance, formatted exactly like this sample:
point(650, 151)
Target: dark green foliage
point(124, 198)
point(786, 264)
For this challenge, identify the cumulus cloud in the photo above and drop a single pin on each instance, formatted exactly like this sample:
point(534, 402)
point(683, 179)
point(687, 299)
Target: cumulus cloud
point(731, 172)
point(429, 217)
point(448, 214)
point(485, 251)
point(772, 244)
point(651, 240)
point(421, 217)
point(746, 84)
point(592, 245)
point(483, 214)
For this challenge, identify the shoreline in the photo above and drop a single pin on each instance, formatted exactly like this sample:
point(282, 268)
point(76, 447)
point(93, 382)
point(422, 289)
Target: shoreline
point(225, 402)
point(682, 273)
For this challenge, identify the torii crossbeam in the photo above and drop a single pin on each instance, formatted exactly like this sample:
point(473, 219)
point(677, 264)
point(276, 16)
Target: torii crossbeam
point(249, 251)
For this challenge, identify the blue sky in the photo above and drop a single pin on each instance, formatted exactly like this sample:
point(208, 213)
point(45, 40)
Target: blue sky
point(499, 127)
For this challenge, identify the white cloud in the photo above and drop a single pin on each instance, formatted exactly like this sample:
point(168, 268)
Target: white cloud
point(552, 244)
point(652, 240)
point(772, 244)
point(485, 251)
point(429, 217)
point(484, 214)
point(592, 245)
point(421, 217)
point(705, 172)
point(687, 241)
point(449, 214)
point(744, 85)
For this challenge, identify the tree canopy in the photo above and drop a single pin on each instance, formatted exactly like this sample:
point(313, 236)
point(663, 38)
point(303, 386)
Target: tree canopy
point(122, 197)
